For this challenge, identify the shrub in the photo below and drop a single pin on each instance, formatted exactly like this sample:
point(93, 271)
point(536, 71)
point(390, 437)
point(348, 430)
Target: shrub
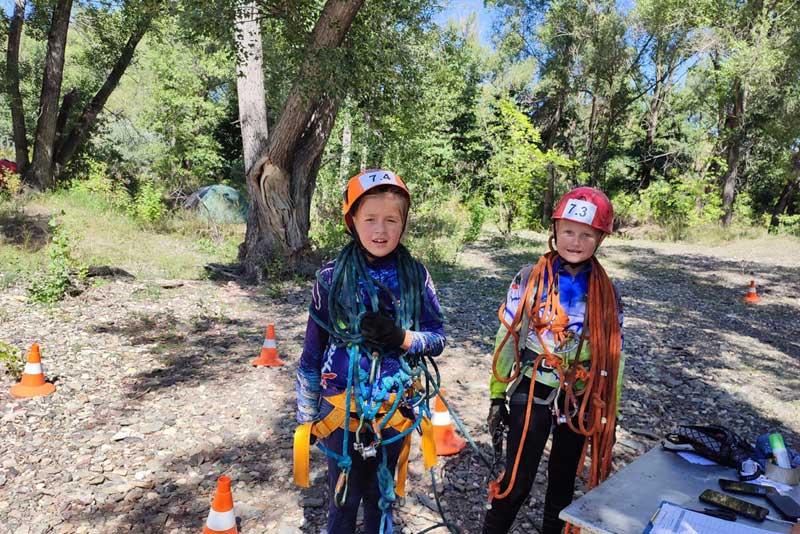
point(148, 204)
point(10, 185)
point(478, 213)
point(789, 224)
point(12, 360)
point(57, 280)
point(627, 209)
point(678, 205)
point(436, 230)
point(99, 189)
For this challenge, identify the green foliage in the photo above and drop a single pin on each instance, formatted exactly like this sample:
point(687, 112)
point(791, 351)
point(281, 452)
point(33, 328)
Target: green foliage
point(97, 186)
point(10, 185)
point(55, 283)
point(12, 359)
point(789, 224)
point(437, 229)
point(516, 165)
point(478, 213)
point(670, 206)
point(328, 236)
point(627, 208)
point(676, 206)
point(148, 204)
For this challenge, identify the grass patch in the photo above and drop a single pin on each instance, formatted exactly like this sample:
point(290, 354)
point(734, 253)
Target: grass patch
point(174, 248)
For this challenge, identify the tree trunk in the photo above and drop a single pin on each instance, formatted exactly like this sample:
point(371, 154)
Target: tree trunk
point(41, 171)
point(787, 195)
point(590, 141)
point(344, 161)
point(365, 147)
point(733, 152)
point(789, 191)
point(12, 87)
point(648, 161)
point(68, 144)
point(550, 188)
point(549, 193)
point(662, 88)
point(250, 85)
point(282, 181)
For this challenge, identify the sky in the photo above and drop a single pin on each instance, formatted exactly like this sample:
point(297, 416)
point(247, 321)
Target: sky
point(452, 9)
point(461, 9)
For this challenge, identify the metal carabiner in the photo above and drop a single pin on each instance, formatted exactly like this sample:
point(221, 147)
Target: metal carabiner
point(342, 485)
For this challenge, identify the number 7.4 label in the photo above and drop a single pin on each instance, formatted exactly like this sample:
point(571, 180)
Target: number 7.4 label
point(580, 211)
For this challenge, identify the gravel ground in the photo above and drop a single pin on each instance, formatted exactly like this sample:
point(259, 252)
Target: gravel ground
point(156, 399)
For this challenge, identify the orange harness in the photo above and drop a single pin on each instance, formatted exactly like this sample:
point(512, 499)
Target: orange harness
point(596, 402)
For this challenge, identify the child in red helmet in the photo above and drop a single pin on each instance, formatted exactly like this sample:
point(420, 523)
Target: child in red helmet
point(373, 315)
point(557, 365)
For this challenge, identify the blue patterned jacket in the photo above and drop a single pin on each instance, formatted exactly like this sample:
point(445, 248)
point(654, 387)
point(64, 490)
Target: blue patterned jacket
point(324, 362)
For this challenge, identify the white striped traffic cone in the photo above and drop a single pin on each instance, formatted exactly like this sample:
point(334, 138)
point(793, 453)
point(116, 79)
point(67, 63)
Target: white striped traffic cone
point(33, 383)
point(221, 519)
point(447, 442)
point(752, 295)
point(269, 351)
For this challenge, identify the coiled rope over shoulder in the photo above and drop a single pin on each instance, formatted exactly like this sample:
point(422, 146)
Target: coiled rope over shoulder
point(595, 404)
point(375, 400)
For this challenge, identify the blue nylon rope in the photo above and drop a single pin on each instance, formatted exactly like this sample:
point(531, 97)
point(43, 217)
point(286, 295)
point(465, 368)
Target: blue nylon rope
point(346, 308)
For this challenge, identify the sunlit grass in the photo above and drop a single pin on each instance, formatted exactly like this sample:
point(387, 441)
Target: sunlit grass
point(176, 248)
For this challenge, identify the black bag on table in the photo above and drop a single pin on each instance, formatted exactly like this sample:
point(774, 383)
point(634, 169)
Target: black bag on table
point(718, 444)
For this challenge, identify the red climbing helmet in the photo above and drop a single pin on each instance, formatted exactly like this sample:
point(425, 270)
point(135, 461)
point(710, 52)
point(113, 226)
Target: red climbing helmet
point(586, 205)
point(363, 182)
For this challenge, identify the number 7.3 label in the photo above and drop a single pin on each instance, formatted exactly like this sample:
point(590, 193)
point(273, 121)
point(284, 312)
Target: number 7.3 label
point(580, 211)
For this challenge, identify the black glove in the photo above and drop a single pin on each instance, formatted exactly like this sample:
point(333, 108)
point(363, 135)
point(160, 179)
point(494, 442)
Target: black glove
point(498, 417)
point(379, 331)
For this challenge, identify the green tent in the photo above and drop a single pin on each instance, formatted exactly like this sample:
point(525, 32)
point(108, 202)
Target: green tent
point(223, 204)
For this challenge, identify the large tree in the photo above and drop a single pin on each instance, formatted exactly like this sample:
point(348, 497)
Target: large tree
point(61, 128)
point(752, 60)
point(282, 179)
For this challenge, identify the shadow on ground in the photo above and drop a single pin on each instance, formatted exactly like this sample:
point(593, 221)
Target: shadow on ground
point(189, 351)
point(28, 232)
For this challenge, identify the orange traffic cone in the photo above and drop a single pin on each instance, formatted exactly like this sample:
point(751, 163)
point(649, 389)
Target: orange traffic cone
point(269, 351)
point(221, 519)
point(33, 383)
point(447, 442)
point(752, 296)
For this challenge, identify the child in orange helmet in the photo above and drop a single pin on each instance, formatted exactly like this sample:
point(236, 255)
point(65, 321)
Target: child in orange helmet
point(373, 315)
point(557, 365)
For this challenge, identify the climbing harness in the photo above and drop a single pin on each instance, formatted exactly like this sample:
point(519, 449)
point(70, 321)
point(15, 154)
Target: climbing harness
point(369, 405)
point(590, 396)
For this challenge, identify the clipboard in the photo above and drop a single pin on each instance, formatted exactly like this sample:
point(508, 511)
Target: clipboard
point(673, 519)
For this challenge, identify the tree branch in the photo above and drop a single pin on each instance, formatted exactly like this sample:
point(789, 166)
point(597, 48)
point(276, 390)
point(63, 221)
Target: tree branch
point(329, 32)
point(66, 148)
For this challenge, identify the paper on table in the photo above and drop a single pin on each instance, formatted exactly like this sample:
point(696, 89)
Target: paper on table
point(671, 519)
point(695, 458)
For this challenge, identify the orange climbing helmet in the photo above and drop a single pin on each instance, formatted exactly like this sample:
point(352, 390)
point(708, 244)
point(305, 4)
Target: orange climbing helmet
point(363, 182)
point(586, 205)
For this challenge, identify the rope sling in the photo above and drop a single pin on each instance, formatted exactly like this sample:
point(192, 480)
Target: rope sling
point(591, 408)
point(376, 402)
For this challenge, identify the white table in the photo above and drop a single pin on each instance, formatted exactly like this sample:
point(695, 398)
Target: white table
point(626, 501)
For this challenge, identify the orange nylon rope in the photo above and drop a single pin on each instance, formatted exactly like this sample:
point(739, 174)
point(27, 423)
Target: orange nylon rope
point(596, 415)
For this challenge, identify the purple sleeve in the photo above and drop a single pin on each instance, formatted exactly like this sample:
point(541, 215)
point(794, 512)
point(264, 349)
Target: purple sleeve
point(308, 383)
point(428, 339)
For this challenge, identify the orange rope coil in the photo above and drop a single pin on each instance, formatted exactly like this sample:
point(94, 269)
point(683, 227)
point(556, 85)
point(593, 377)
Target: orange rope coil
point(596, 402)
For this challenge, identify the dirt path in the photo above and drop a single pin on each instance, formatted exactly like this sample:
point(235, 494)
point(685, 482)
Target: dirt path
point(156, 398)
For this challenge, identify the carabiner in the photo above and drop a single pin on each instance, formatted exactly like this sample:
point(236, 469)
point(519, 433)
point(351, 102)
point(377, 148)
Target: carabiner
point(342, 485)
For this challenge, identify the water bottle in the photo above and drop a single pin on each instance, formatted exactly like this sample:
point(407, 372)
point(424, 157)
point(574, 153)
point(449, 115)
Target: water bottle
point(779, 451)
